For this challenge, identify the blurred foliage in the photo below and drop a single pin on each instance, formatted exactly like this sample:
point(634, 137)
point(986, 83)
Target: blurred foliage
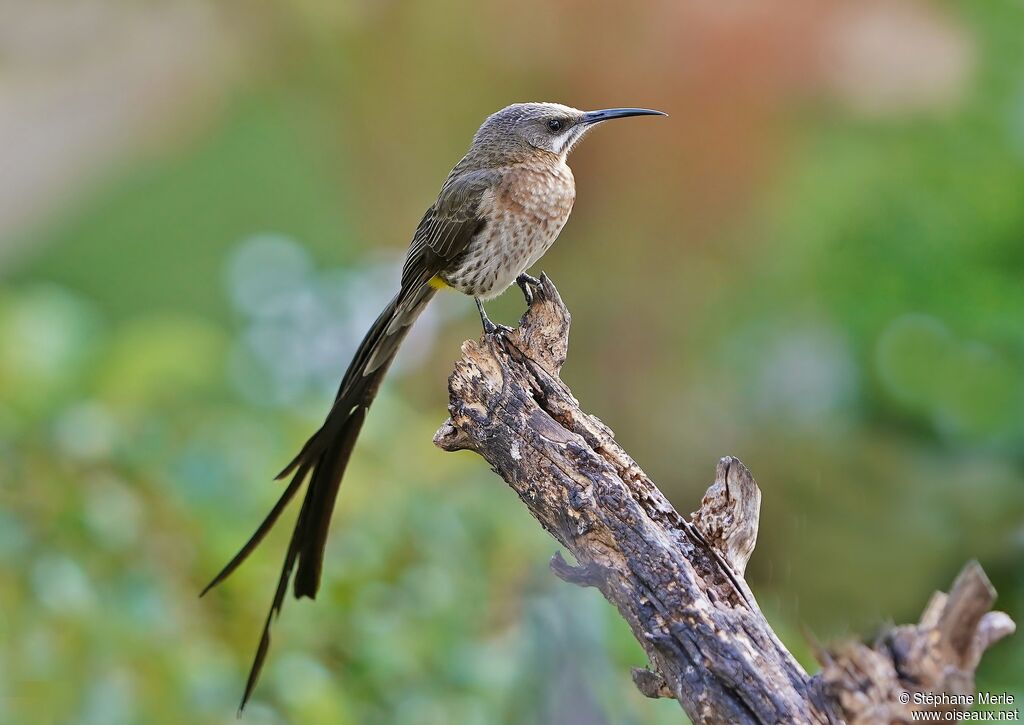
point(831, 294)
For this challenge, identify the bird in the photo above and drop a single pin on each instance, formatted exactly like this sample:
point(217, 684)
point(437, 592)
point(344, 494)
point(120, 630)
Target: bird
point(499, 210)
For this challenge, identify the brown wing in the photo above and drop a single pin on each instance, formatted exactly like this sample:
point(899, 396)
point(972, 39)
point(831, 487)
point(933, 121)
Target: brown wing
point(448, 226)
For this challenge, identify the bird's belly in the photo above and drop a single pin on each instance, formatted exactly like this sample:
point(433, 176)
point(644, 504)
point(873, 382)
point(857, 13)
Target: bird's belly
point(506, 248)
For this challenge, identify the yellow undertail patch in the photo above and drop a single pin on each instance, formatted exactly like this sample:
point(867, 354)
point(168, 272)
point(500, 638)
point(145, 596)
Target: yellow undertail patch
point(437, 283)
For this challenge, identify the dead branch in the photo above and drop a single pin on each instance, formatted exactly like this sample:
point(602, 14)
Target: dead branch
point(678, 582)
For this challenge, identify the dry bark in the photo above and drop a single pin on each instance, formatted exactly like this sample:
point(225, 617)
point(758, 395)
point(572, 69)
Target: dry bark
point(678, 582)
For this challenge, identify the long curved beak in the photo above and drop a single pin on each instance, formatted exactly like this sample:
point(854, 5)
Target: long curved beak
point(608, 114)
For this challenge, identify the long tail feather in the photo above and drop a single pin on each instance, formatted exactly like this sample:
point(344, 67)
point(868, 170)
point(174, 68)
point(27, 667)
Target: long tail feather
point(323, 459)
point(323, 491)
point(379, 335)
point(275, 607)
point(257, 537)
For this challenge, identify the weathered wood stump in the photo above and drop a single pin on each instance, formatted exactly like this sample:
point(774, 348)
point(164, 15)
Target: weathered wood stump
point(677, 582)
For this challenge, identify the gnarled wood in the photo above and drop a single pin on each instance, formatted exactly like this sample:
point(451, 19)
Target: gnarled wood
point(677, 582)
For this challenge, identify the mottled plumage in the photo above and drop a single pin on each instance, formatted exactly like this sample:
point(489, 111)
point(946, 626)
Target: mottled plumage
point(499, 211)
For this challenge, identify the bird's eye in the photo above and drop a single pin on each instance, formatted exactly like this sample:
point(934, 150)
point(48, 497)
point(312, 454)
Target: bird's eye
point(554, 125)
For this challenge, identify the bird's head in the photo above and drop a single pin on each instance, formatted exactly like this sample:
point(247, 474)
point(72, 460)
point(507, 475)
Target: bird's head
point(523, 129)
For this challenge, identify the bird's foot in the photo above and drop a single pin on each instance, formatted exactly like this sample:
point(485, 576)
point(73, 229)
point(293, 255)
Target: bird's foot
point(526, 283)
point(490, 328)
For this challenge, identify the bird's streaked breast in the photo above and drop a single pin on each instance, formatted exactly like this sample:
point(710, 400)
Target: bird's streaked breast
point(525, 211)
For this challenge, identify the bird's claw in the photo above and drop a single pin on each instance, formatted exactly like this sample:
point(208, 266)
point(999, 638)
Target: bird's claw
point(491, 328)
point(526, 282)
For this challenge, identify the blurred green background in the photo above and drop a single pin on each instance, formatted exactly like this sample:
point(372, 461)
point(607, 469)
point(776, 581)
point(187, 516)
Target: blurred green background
point(815, 264)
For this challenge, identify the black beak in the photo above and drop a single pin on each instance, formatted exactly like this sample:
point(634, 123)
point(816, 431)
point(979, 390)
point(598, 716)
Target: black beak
point(609, 113)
